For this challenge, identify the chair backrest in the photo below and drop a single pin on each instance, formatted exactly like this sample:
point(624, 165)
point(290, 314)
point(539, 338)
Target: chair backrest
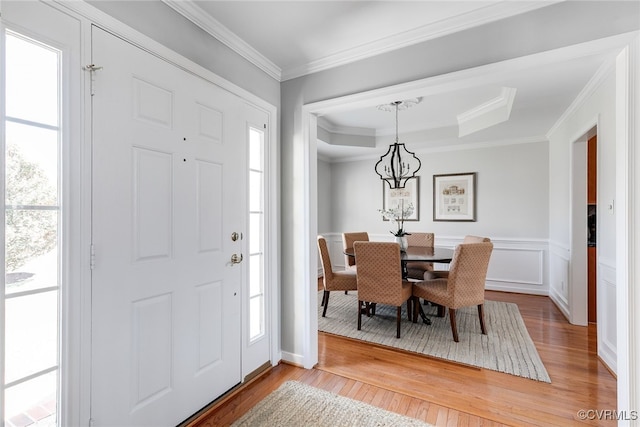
point(416, 269)
point(327, 270)
point(424, 240)
point(347, 241)
point(468, 273)
point(475, 239)
point(379, 272)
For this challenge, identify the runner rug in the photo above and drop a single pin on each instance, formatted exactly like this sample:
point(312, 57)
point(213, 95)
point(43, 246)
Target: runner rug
point(295, 404)
point(507, 347)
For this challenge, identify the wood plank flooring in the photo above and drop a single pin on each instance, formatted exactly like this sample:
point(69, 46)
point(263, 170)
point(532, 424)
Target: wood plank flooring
point(448, 394)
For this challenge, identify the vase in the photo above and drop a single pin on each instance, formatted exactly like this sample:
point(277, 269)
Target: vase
point(402, 241)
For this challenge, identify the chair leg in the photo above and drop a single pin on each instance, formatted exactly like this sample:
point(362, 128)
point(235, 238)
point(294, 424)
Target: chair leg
point(398, 320)
point(409, 308)
point(359, 314)
point(325, 301)
point(454, 327)
point(481, 316)
point(416, 309)
point(440, 310)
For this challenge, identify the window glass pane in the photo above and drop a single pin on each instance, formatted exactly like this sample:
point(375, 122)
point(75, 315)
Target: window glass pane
point(255, 275)
point(255, 149)
point(31, 334)
point(31, 165)
point(32, 81)
point(255, 191)
point(255, 233)
point(31, 250)
point(34, 399)
point(31, 175)
point(257, 316)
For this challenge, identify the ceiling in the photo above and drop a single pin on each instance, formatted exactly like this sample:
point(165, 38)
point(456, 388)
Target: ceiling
point(288, 39)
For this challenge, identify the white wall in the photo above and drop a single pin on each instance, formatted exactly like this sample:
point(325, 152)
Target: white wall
point(595, 108)
point(325, 202)
point(511, 193)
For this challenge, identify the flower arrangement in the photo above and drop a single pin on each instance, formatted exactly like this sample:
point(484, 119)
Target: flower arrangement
point(398, 215)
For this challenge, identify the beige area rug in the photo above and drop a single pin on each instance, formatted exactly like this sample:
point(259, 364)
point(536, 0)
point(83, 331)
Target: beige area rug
point(295, 404)
point(507, 347)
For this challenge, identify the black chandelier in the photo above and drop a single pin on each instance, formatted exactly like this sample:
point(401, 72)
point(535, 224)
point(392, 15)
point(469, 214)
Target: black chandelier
point(398, 164)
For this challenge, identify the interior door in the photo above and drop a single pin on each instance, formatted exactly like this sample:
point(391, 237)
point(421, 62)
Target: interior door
point(169, 180)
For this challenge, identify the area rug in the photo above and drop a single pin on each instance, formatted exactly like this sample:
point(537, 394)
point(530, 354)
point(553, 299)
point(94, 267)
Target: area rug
point(507, 347)
point(296, 404)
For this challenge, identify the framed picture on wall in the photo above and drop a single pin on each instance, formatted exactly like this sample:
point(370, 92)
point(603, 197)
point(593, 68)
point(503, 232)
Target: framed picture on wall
point(403, 197)
point(454, 197)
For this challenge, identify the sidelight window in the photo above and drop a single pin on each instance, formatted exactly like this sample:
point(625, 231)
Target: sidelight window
point(31, 230)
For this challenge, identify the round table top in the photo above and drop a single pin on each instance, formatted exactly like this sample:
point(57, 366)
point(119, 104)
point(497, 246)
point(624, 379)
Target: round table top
point(419, 253)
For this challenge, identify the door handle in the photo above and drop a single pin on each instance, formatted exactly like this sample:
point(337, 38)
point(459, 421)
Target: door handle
point(235, 259)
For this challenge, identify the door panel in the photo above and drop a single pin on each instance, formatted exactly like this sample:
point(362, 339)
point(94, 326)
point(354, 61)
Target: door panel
point(168, 191)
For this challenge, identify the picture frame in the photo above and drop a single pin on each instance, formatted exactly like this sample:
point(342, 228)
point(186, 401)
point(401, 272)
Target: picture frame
point(393, 198)
point(454, 197)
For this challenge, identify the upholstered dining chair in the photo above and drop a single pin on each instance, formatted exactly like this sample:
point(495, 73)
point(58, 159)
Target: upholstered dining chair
point(464, 285)
point(436, 274)
point(333, 280)
point(475, 239)
point(380, 278)
point(347, 242)
point(416, 269)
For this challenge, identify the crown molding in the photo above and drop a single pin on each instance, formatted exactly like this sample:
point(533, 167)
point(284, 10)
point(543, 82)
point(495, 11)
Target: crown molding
point(344, 130)
point(199, 17)
point(487, 114)
point(490, 13)
point(592, 85)
point(427, 32)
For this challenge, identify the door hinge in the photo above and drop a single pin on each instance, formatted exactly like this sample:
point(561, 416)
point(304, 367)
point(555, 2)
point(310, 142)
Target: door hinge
point(92, 68)
point(92, 257)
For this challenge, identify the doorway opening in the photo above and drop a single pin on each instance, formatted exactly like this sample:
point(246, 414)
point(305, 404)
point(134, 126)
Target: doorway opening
point(583, 279)
point(592, 241)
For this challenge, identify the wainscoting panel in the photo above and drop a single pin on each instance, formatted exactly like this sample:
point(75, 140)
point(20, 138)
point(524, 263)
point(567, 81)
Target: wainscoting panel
point(507, 266)
point(559, 276)
point(606, 316)
point(515, 266)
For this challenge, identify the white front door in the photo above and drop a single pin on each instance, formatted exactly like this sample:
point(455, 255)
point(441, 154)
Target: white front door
point(169, 189)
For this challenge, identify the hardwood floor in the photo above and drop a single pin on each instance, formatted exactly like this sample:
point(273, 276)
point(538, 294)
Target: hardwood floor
point(448, 394)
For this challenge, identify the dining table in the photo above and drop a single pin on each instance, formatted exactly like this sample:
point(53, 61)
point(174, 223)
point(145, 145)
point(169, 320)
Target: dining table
point(418, 253)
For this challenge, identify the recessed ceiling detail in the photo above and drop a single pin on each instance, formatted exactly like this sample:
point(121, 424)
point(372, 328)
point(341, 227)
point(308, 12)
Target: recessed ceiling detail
point(401, 105)
point(345, 136)
point(487, 114)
